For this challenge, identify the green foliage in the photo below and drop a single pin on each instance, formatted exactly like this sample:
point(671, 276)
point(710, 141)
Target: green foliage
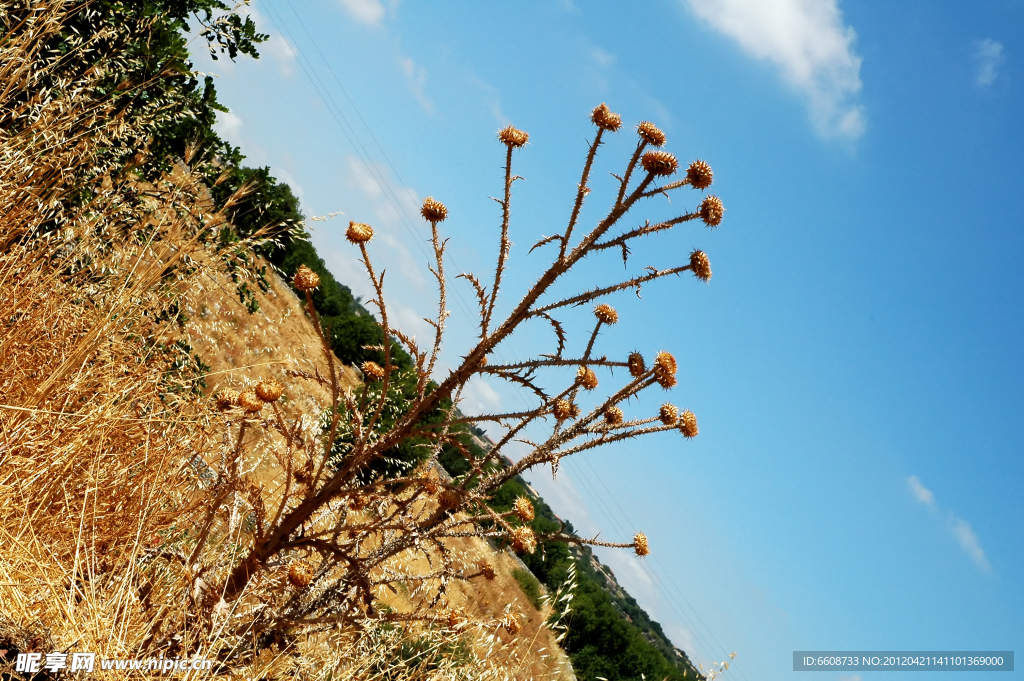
point(530, 586)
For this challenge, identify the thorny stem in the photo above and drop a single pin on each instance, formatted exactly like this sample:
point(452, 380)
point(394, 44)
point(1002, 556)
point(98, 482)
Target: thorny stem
point(505, 243)
point(629, 171)
point(442, 312)
point(329, 355)
point(581, 193)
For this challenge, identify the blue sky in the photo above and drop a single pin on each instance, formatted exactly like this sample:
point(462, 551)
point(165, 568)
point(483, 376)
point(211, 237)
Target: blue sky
point(856, 361)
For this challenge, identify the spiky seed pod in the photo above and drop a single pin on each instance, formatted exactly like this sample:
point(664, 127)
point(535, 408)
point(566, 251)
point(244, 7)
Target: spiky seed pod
point(523, 509)
point(712, 210)
point(688, 424)
point(358, 232)
point(511, 623)
point(483, 362)
point(513, 137)
point(562, 410)
point(449, 498)
point(636, 365)
point(300, 573)
point(660, 163)
point(523, 539)
point(227, 399)
point(613, 416)
point(605, 119)
point(357, 503)
point(431, 485)
point(372, 370)
point(574, 411)
point(249, 402)
point(306, 279)
point(665, 368)
point(453, 617)
point(433, 211)
point(700, 265)
point(651, 134)
point(487, 569)
point(606, 313)
point(640, 544)
point(699, 175)
point(586, 377)
point(669, 414)
point(269, 390)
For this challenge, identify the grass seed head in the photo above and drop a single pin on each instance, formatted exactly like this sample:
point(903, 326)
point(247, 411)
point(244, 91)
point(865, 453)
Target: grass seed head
point(269, 390)
point(511, 623)
point(606, 313)
point(433, 211)
point(660, 163)
point(513, 137)
point(358, 232)
point(640, 544)
point(669, 414)
point(586, 377)
point(699, 175)
point(712, 210)
point(372, 370)
point(651, 134)
point(605, 119)
point(688, 424)
point(613, 416)
point(700, 265)
point(306, 279)
point(249, 402)
point(523, 509)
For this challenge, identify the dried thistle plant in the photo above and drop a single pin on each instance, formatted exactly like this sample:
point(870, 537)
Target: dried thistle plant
point(361, 530)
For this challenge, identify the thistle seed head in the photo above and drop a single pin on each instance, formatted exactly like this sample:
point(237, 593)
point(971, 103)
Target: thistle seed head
point(660, 163)
point(523, 539)
point(358, 232)
point(433, 211)
point(651, 134)
point(523, 509)
point(227, 399)
point(665, 368)
point(640, 544)
point(712, 210)
point(453, 618)
point(606, 313)
point(613, 416)
point(688, 424)
point(636, 365)
point(430, 483)
point(586, 377)
point(562, 410)
point(513, 137)
point(249, 402)
point(700, 265)
point(511, 623)
point(269, 390)
point(669, 414)
point(605, 119)
point(372, 370)
point(306, 279)
point(699, 175)
point(300, 573)
point(449, 498)
point(487, 569)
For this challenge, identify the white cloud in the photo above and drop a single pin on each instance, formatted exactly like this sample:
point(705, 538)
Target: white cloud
point(369, 12)
point(921, 493)
point(960, 528)
point(808, 41)
point(480, 398)
point(601, 57)
point(229, 127)
point(416, 76)
point(989, 56)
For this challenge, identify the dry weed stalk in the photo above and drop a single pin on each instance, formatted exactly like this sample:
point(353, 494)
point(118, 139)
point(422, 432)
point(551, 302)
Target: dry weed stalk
point(365, 533)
